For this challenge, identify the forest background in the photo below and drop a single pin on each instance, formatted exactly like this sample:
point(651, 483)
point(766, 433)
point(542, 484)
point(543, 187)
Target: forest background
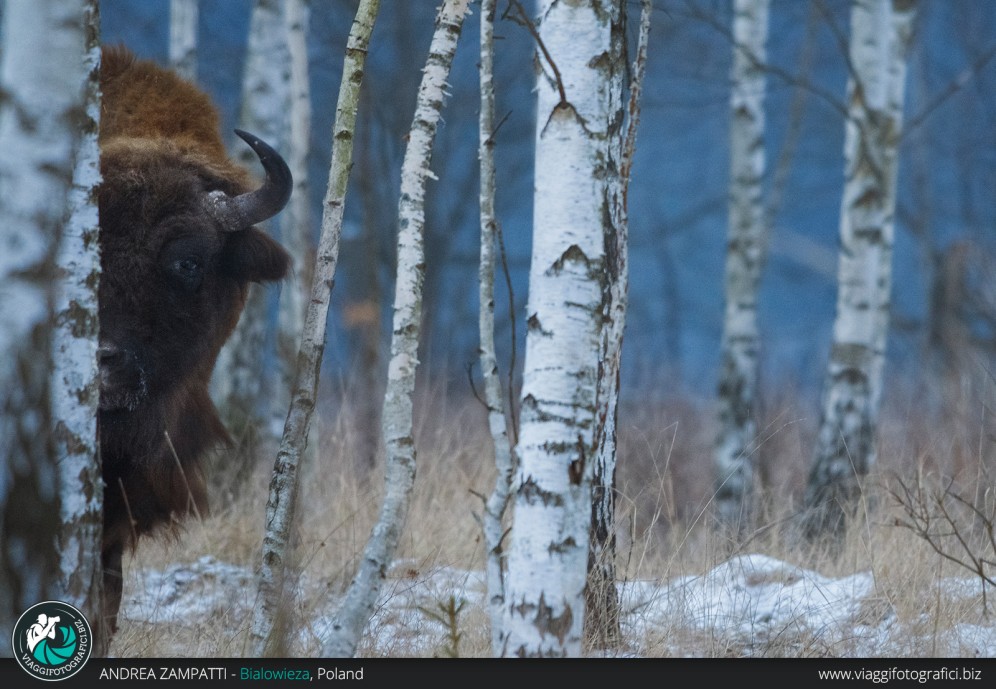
point(678, 203)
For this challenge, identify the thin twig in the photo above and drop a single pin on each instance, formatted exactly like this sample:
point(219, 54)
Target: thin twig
point(494, 132)
point(953, 87)
point(523, 20)
point(473, 385)
point(183, 475)
point(131, 517)
point(514, 430)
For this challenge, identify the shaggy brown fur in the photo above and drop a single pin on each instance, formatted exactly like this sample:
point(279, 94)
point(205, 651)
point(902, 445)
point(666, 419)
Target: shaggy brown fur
point(173, 285)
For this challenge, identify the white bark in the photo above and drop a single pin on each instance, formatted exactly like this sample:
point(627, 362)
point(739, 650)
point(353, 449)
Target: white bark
point(497, 502)
point(296, 230)
point(183, 37)
point(549, 542)
point(845, 450)
point(280, 507)
point(41, 101)
point(75, 383)
point(396, 425)
point(736, 449)
point(239, 383)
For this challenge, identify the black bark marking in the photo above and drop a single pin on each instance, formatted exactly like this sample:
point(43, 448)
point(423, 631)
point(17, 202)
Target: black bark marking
point(575, 470)
point(531, 492)
point(555, 625)
point(574, 254)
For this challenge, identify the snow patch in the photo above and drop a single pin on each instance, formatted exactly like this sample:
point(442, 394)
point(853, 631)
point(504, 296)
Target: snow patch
point(752, 605)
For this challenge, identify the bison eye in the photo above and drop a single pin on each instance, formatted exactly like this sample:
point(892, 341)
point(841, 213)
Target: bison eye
point(188, 272)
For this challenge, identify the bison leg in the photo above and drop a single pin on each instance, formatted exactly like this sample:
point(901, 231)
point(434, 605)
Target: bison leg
point(113, 582)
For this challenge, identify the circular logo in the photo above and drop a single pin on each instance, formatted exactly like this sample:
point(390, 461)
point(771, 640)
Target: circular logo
point(52, 640)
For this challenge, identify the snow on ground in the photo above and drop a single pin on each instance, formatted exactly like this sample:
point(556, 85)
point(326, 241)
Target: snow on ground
point(752, 605)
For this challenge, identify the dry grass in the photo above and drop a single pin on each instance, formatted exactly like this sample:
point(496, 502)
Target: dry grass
point(663, 518)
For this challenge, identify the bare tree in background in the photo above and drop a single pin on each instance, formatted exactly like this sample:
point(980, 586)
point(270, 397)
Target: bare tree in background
point(369, 251)
point(364, 300)
point(240, 381)
point(75, 381)
point(41, 101)
point(735, 451)
point(183, 37)
point(398, 440)
point(548, 557)
point(296, 231)
point(267, 634)
point(881, 32)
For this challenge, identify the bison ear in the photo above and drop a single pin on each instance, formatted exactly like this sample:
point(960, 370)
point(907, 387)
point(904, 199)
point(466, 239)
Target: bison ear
point(251, 256)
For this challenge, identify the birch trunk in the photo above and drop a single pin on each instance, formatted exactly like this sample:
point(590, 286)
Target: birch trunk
point(240, 382)
point(75, 383)
point(41, 103)
point(296, 222)
point(736, 450)
point(266, 635)
point(396, 429)
point(567, 295)
point(497, 502)
point(845, 448)
point(602, 619)
point(183, 37)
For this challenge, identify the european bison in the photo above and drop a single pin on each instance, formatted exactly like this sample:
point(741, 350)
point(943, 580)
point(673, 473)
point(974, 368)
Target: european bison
point(178, 252)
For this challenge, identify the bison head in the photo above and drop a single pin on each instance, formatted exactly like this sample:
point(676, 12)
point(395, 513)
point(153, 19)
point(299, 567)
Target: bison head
point(178, 251)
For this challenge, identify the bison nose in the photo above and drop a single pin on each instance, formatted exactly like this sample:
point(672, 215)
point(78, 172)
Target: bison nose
point(122, 380)
point(110, 356)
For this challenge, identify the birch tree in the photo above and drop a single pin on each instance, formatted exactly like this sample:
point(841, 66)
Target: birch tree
point(41, 100)
point(547, 565)
point(183, 37)
point(266, 634)
point(75, 382)
point(239, 383)
point(845, 451)
point(396, 420)
point(296, 230)
point(497, 502)
point(736, 448)
point(602, 626)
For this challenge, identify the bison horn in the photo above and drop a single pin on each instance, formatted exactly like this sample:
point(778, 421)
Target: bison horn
point(239, 212)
